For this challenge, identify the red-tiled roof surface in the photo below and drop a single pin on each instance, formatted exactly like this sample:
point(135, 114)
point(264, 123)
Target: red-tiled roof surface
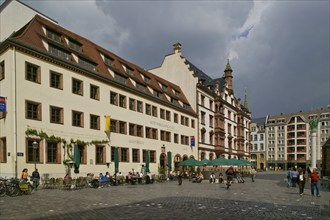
point(32, 34)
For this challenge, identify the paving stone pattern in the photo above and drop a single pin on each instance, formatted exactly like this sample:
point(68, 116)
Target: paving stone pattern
point(266, 198)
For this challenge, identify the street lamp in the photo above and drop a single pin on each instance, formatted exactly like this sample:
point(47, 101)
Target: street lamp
point(35, 147)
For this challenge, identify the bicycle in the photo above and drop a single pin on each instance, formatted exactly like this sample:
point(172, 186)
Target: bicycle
point(3, 187)
point(8, 187)
point(18, 187)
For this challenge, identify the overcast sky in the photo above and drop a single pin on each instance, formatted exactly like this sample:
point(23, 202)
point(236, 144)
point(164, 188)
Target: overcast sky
point(278, 50)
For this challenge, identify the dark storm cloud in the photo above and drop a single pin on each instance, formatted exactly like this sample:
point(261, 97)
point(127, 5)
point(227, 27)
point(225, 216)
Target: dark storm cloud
point(201, 27)
point(279, 50)
point(285, 64)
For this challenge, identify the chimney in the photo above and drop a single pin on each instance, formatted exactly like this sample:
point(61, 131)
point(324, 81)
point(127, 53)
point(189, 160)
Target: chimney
point(177, 47)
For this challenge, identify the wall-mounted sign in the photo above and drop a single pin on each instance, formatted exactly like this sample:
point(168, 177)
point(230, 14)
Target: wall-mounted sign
point(192, 141)
point(20, 154)
point(2, 104)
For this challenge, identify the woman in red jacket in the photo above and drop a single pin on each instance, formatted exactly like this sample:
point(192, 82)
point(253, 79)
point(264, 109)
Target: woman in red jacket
point(314, 179)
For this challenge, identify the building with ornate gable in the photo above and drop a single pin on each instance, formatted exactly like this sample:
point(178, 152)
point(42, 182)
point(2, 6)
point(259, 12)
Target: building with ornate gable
point(224, 123)
point(59, 90)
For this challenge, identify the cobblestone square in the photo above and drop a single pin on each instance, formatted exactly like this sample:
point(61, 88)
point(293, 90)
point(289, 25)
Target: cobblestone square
point(267, 198)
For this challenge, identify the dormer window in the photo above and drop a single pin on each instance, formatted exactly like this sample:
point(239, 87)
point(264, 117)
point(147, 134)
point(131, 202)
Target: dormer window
point(87, 64)
point(174, 101)
point(141, 87)
point(185, 106)
point(53, 36)
point(129, 70)
point(312, 117)
point(109, 61)
point(164, 88)
point(120, 78)
point(146, 78)
point(157, 94)
point(56, 51)
point(75, 45)
point(325, 115)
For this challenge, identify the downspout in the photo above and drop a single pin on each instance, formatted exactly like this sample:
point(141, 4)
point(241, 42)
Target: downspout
point(15, 114)
point(197, 123)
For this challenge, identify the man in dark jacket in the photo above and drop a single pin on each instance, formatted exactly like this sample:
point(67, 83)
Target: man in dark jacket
point(36, 179)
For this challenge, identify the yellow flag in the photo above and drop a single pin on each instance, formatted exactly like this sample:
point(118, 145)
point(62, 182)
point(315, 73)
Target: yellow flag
point(107, 123)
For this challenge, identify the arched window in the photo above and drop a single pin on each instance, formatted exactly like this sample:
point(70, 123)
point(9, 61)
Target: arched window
point(202, 155)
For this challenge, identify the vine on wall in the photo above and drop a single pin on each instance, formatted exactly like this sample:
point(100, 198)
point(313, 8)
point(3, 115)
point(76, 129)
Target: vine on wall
point(43, 135)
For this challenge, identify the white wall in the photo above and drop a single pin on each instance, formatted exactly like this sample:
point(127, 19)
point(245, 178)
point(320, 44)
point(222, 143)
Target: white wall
point(14, 16)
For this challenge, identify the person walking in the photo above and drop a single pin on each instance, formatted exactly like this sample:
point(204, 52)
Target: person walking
point(220, 178)
point(230, 173)
point(212, 178)
point(253, 173)
point(180, 177)
point(36, 179)
point(289, 177)
point(301, 181)
point(314, 181)
point(294, 177)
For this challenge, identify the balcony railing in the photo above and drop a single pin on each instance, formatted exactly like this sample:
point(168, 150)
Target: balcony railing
point(301, 142)
point(301, 127)
point(290, 143)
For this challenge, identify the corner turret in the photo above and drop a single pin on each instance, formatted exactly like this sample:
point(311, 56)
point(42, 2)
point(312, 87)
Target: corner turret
point(229, 77)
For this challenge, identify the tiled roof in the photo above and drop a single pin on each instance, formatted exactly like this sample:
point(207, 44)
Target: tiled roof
point(259, 121)
point(208, 84)
point(32, 36)
point(206, 80)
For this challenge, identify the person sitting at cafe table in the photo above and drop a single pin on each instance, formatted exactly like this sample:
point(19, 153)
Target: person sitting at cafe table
point(102, 180)
point(149, 179)
point(138, 177)
point(108, 178)
point(198, 178)
point(130, 178)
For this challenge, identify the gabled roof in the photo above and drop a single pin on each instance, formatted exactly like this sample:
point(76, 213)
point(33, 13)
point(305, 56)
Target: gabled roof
point(259, 121)
point(32, 36)
point(208, 84)
point(304, 115)
point(206, 81)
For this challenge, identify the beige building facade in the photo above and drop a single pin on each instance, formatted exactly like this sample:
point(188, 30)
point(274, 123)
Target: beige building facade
point(224, 123)
point(258, 143)
point(61, 89)
point(288, 138)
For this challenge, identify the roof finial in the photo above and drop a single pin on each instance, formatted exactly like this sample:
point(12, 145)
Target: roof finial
point(177, 47)
point(228, 67)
